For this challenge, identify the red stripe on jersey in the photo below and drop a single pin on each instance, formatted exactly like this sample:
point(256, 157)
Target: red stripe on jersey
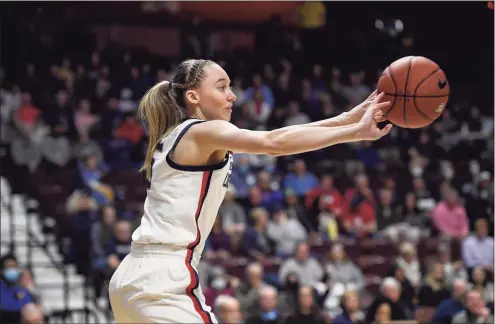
point(205, 183)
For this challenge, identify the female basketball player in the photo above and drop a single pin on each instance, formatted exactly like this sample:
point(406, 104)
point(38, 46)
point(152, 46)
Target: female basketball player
point(188, 165)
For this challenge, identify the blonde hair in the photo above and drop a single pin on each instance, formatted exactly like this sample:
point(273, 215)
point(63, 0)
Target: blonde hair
point(163, 106)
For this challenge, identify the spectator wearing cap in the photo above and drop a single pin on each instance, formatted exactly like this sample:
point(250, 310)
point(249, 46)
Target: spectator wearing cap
point(285, 232)
point(455, 304)
point(307, 268)
point(13, 297)
point(477, 249)
point(300, 181)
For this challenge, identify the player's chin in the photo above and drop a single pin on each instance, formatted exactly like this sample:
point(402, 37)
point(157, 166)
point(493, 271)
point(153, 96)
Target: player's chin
point(226, 115)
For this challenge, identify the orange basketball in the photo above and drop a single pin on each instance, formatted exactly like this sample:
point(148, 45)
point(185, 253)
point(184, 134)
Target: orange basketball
point(417, 89)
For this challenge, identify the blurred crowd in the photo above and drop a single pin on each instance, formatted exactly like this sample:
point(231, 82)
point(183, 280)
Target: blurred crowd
point(328, 236)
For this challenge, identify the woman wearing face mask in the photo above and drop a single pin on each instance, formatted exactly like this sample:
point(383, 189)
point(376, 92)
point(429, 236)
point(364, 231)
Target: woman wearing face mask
point(13, 297)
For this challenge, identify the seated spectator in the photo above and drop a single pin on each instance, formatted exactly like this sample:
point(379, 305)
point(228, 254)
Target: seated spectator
point(258, 109)
point(119, 247)
point(351, 314)
point(342, 270)
point(268, 313)
point(307, 268)
point(332, 198)
point(288, 296)
point(84, 120)
point(453, 270)
point(390, 220)
point(13, 297)
point(218, 286)
point(232, 215)
point(361, 220)
point(295, 116)
point(383, 314)
point(227, 309)
point(450, 307)
point(434, 288)
point(91, 171)
point(389, 294)
point(249, 291)
point(482, 284)
point(87, 147)
point(477, 249)
point(294, 209)
point(265, 90)
point(307, 310)
point(218, 243)
point(285, 233)
point(242, 176)
point(414, 217)
point(300, 181)
point(271, 196)
point(407, 291)
point(408, 261)
point(255, 242)
point(126, 104)
point(475, 312)
point(449, 216)
point(28, 120)
point(130, 131)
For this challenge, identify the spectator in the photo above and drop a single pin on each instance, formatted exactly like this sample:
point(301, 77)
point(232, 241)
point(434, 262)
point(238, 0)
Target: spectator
point(300, 181)
point(449, 216)
point(219, 286)
point(455, 304)
point(271, 197)
point(218, 243)
point(249, 291)
point(227, 310)
point(242, 177)
point(475, 312)
point(130, 131)
point(344, 271)
point(119, 247)
point(356, 92)
point(268, 313)
point(13, 297)
point(296, 117)
point(294, 209)
point(414, 219)
point(285, 233)
point(28, 120)
point(383, 314)
point(350, 310)
point(255, 242)
point(409, 263)
point(407, 291)
point(477, 250)
point(307, 311)
point(390, 220)
point(308, 270)
point(91, 171)
point(482, 284)
point(232, 215)
point(84, 120)
point(453, 270)
point(434, 288)
point(288, 297)
point(258, 110)
point(389, 295)
point(361, 219)
point(266, 92)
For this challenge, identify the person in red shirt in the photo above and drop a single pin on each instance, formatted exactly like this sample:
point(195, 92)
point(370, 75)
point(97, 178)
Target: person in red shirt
point(130, 131)
point(333, 200)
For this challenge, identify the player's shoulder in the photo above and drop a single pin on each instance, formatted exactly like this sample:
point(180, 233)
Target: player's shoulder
point(210, 127)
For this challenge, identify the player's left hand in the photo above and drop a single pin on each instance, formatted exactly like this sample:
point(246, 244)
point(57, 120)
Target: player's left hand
point(356, 113)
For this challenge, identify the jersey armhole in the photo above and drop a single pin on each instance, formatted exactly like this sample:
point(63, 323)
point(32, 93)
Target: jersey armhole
point(193, 168)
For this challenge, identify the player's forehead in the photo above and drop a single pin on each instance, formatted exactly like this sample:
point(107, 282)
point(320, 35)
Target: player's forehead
point(215, 73)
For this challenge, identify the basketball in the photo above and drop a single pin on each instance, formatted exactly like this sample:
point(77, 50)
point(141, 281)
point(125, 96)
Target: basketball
point(417, 89)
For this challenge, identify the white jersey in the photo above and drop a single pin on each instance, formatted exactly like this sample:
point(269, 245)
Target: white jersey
point(182, 201)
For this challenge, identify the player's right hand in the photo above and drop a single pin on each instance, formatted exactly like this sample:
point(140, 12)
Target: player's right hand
point(369, 130)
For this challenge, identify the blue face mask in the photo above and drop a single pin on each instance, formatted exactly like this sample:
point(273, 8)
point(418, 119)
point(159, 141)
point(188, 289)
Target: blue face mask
point(11, 274)
point(270, 316)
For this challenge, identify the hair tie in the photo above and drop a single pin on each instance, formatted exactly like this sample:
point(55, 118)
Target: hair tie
point(171, 85)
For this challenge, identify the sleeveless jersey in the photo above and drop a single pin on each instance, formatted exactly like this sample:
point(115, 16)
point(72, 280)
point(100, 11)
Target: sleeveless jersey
point(182, 201)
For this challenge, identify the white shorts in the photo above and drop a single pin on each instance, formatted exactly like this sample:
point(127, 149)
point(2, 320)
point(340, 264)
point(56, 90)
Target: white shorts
point(158, 284)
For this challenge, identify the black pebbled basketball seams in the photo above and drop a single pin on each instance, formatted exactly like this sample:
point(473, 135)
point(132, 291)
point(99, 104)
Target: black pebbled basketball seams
point(389, 71)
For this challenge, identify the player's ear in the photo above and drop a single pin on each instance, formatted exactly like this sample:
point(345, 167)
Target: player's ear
point(192, 96)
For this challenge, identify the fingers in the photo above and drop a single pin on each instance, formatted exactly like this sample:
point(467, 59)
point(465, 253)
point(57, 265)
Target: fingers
point(385, 130)
point(379, 117)
point(372, 95)
point(379, 106)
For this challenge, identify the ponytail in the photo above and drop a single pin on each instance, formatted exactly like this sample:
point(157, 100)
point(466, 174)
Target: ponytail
point(160, 111)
